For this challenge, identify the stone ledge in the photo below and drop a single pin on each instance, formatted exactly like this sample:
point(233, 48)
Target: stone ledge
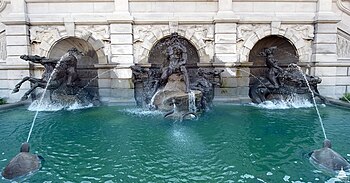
point(14, 105)
point(338, 103)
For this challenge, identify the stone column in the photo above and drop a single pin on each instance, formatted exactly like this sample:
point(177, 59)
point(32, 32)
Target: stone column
point(121, 23)
point(17, 43)
point(325, 47)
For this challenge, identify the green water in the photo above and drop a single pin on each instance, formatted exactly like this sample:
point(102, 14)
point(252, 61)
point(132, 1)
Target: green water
point(231, 143)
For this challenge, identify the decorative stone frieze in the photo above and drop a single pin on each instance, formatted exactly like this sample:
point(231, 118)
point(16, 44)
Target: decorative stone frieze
point(42, 38)
point(3, 53)
point(145, 36)
point(343, 45)
point(300, 35)
point(99, 32)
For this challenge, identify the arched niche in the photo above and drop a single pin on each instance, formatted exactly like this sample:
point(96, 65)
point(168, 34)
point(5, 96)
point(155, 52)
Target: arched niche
point(85, 68)
point(285, 54)
point(158, 56)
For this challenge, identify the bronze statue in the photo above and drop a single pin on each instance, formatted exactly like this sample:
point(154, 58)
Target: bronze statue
point(279, 82)
point(273, 68)
point(49, 66)
point(328, 159)
point(61, 71)
point(177, 57)
point(166, 84)
point(22, 164)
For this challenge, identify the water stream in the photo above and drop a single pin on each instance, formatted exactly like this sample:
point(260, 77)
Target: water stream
point(192, 102)
point(314, 101)
point(43, 95)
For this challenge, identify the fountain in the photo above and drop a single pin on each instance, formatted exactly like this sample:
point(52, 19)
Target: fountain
point(64, 85)
point(113, 144)
point(175, 81)
point(279, 83)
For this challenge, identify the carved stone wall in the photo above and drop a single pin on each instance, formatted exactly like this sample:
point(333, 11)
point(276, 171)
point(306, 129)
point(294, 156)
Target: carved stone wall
point(343, 45)
point(300, 35)
point(42, 38)
point(146, 36)
point(3, 52)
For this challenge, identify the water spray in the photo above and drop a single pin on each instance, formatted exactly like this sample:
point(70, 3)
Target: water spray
point(42, 97)
point(342, 175)
point(313, 98)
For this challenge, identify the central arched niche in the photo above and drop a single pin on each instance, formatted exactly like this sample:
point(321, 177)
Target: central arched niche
point(285, 54)
point(85, 68)
point(158, 58)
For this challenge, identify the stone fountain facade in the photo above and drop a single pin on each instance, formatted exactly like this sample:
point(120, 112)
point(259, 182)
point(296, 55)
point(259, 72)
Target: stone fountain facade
point(116, 35)
point(174, 83)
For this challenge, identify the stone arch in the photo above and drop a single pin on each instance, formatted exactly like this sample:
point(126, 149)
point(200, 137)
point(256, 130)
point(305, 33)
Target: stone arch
point(294, 33)
point(58, 34)
point(85, 66)
point(157, 55)
point(285, 54)
point(151, 36)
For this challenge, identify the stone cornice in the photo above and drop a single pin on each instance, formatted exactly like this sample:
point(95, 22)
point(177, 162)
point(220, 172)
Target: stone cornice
point(15, 19)
point(14, 67)
point(164, 18)
point(327, 17)
point(65, 1)
point(226, 17)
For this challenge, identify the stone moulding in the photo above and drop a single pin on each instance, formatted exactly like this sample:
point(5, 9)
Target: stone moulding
point(3, 4)
point(146, 36)
point(300, 36)
point(343, 7)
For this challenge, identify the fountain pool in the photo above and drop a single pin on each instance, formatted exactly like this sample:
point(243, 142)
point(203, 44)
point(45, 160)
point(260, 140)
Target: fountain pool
point(230, 143)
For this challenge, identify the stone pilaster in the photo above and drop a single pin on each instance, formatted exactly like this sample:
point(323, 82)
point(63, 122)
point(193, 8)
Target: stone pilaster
point(226, 56)
point(121, 23)
point(17, 34)
point(325, 47)
point(17, 43)
point(225, 42)
point(225, 33)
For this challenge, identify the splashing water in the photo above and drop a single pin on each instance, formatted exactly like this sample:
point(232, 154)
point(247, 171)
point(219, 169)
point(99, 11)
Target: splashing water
point(292, 101)
point(142, 112)
point(77, 105)
point(36, 105)
point(192, 102)
point(313, 99)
